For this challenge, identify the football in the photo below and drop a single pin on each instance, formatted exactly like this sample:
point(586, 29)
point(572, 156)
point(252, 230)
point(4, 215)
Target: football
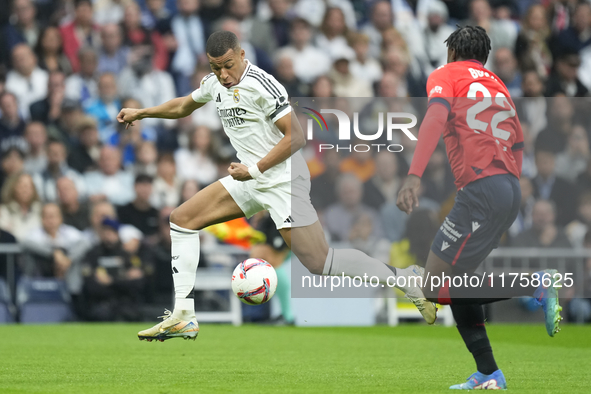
point(254, 281)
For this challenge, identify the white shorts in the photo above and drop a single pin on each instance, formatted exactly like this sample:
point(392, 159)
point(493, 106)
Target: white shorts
point(288, 203)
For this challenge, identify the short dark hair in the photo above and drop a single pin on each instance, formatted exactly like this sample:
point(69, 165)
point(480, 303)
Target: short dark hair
point(143, 178)
point(470, 42)
point(219, 42)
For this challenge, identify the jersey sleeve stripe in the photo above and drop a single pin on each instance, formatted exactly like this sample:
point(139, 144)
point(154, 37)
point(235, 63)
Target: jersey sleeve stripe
point(264, 85)
point(266, 79)
point(208, 76)
point(440, 100)
point(518, 146)
point(278, 111)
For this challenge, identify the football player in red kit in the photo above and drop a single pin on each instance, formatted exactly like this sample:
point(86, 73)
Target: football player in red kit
point(472, 108)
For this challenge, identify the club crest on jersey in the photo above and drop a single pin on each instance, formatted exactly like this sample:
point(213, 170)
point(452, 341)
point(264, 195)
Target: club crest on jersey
point(236, 96)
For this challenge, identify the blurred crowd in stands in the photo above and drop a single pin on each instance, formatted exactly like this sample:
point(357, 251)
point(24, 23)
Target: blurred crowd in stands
point(89, 199)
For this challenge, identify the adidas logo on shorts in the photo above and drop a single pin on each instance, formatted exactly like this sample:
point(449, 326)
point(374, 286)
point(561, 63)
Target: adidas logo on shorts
point(288, 220)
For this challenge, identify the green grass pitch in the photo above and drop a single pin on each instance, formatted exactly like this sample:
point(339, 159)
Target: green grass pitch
point(108, 358)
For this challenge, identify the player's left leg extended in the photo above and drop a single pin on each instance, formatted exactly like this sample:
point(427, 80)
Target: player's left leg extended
point(312, 250)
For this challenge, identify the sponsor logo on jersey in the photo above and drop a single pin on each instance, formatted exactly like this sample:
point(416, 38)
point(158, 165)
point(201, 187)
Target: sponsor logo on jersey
point(232, 117)
point(236, 96)
point(218, 99)
point(436, 90)
point(344, 130)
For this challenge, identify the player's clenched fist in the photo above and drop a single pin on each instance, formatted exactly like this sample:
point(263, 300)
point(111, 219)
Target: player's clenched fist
point(408, 196)
point(128, 116)
point(239, 172)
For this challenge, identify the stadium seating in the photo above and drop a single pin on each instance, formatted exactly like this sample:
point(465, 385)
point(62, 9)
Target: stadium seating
point(43, 301)
point(6, 306)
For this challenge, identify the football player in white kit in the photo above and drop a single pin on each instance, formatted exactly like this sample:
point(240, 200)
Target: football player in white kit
point(271, 175)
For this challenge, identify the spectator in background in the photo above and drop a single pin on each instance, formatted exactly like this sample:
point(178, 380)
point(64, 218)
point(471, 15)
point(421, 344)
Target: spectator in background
point(106, 107)
point(285, 74)
point(109, 181)
point(524, 216)
point(57, 167)
point(410, 84)
point(166, 188)
point(573, 161)
point(505, 66)
point(85, 153)
point(362, 237)
point(339, 216)
point(578, 228)
point(323, 191)
point(414, 247)
point(544, 232)
point(157, 16)
point(50, 53)
point(160, 282)
point(547, 186)
point(363, 66)
point(438, 179)
point(24, 27)
point(26, 80)
point(564, 79)
point(140, 213)
point(279, 22)
point(20, 211)
point(344, 82)
point(532, 108)
point(252, 29)
point(75, 212)
point(501, 33)
point(146, 157)
point(55, 249)
point(49, 109)
point(322, 87)
point(146, 84)
point(65, 127)
point(108, 11)
point(129, 138)
point(382, 19)
point(12, 126)
point(6, 238)
point(188, 189)
point(13, 162)
point(135, 35)
point(578, 34)
point(254, 54)
point(198, 162)
point(309, 62)
point(105, 210)
point(436, 32)
point(383, 186)
point(359, 163)
point(112, 56)
point(80, 32)
point(36, 137)
point(560, 124)
point(189, 31)
point(82, 86)
point(113, 280)
point(333, 32)
point(531, 48)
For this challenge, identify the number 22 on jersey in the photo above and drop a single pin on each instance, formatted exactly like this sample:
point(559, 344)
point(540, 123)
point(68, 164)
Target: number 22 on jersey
point(481, 106)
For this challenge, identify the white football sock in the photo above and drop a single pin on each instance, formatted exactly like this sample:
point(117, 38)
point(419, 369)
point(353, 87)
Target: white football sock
point(185, 259)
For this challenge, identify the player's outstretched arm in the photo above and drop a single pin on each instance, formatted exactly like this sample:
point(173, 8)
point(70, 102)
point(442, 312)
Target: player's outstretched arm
point(292, 142)
point(173, 109)
point(429, 134)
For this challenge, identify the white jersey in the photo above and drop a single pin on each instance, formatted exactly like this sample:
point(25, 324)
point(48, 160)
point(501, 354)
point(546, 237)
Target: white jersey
point(248, 112)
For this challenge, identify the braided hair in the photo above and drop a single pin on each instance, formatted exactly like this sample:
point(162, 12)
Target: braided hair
point(470, 42)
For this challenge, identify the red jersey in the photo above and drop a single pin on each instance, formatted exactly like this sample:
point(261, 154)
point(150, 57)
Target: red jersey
point(482, 129)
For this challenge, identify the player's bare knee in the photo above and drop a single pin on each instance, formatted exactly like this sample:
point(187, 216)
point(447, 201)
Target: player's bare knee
point(312, 261)
point(182, 220)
